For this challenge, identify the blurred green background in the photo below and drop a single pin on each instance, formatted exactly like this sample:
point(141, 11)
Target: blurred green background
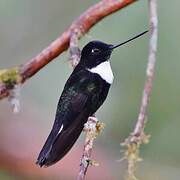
point(26, 27)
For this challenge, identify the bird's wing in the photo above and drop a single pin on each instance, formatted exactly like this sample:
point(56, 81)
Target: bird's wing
point(71, 114)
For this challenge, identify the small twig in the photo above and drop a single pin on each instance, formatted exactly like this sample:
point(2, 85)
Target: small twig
point(74, 50)
point(82, 24)
point(92, 128)
point(138, 137)
point(139, 128)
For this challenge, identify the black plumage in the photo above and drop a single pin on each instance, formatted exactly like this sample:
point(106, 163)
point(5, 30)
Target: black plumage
point(83, 94)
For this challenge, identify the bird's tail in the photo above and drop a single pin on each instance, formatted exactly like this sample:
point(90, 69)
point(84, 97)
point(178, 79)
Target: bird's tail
point(53, 152)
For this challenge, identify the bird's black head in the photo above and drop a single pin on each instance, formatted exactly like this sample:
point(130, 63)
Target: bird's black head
point(94, 53)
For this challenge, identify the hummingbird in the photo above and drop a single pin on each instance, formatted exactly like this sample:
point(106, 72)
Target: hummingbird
point(83, 94)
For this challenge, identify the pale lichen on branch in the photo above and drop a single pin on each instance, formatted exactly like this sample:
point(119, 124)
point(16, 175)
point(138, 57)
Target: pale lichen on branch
point(92, 128)
point(74, 49)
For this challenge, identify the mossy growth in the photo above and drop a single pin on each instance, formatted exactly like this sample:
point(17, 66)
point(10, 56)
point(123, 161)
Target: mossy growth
point(132, 151)
point(10, 77)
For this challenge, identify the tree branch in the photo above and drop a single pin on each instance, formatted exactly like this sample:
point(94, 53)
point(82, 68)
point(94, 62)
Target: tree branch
point(150, 68)
point(138, 137)
point(81, 25)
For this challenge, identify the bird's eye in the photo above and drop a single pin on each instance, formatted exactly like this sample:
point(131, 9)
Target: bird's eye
point(95, 50)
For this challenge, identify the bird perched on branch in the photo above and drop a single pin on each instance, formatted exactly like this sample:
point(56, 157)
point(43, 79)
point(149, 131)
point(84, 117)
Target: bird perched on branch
point(83, 94)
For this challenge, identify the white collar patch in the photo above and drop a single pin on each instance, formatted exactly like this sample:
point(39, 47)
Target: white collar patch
point(104, 70)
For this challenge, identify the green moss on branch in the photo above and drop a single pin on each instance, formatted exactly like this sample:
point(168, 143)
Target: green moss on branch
point(10, 77)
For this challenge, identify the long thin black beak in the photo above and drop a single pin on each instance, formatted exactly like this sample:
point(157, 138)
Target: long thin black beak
point(115, 46)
